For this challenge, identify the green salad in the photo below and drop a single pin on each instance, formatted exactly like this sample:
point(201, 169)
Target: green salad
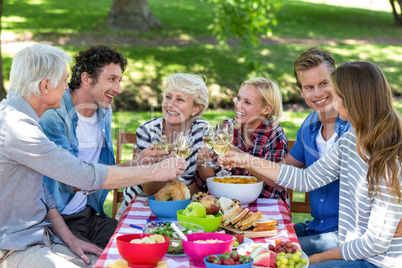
point(175, 246)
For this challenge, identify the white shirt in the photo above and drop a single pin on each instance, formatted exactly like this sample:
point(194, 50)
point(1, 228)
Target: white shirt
point(90, 140)
point(323, 146)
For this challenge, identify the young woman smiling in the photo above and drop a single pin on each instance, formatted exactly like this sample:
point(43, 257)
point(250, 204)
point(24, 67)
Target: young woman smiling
point(258, 109)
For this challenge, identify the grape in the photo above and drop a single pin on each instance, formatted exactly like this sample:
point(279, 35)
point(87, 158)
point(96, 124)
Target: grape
point(288, 244)
point(288, 255)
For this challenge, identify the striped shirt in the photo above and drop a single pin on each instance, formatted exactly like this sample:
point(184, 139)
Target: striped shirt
point(366, 227)
point(144, 139)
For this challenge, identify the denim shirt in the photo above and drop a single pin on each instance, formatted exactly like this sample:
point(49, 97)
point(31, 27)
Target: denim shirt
point(60, 126)
point(324, 201)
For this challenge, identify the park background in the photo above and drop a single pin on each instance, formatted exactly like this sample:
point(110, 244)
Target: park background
point(351, 30)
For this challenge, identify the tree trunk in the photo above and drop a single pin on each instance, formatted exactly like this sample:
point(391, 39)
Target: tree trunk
point(397, 17)
point(132, 15)
point(2, 90)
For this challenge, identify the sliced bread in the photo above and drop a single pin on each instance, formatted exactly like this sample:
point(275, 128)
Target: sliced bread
point(230, 213)
point(265, 222)
point(249, 222)
point(240, 216)
point(232, 216)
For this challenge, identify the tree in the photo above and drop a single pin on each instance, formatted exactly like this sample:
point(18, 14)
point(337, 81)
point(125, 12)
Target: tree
point(397, 16)
point(132, 15)
point(247, 20)
point(2, 90)
point(244, 19)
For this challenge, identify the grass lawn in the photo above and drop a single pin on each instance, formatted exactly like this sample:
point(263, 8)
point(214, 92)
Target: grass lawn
point(185, 44)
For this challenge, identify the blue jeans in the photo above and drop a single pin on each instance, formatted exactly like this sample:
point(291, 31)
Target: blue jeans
point(343, 264)
point(313, 244)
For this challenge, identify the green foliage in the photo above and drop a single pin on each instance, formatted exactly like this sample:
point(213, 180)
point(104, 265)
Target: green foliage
point(186, 45)
point(245, 19)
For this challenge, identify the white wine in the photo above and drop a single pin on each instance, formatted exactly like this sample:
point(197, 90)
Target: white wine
point(208, 141)
point(230, 138)
point(161, 146)
point(221, 148)
point(182, 152)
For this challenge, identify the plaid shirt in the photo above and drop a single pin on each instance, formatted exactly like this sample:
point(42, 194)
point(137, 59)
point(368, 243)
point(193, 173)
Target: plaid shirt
point(267, 142)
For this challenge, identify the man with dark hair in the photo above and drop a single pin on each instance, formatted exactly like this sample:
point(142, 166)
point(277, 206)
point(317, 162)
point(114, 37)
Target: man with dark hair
point(83, 127)
point(315, 137)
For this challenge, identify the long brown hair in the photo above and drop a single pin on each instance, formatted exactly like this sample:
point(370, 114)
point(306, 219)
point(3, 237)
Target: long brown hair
point(367, 97)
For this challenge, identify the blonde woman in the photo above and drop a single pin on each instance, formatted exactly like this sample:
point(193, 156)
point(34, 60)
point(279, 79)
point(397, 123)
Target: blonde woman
point(258, 108)
point(367, 162)
point(185, 99)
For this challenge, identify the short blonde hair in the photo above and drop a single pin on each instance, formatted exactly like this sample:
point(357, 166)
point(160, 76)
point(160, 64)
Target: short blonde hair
point(192, 85)
point(271, 93)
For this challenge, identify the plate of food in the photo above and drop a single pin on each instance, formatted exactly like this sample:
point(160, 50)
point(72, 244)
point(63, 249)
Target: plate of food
point(164, 228)
point(278, 251)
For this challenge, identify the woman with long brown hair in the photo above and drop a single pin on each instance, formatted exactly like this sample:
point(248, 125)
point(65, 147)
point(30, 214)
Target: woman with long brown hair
point(366, 160)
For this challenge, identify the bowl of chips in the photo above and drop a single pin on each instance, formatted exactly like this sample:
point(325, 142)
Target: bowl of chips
point(246, 189)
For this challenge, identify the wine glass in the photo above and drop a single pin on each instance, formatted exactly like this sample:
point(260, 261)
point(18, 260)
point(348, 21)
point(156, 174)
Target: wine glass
point(227, 127)
point(162, 141)
point(221, 144)
point(207, 137)
point(182, 144)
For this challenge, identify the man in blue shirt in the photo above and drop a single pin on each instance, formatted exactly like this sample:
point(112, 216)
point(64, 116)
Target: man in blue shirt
point(83, 127)
point(315, 137)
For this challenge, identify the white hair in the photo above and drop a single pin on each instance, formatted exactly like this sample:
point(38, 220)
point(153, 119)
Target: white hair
point(191, 85)
point(35, 63)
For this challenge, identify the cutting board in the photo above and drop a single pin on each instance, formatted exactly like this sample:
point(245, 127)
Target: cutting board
point(249, 232)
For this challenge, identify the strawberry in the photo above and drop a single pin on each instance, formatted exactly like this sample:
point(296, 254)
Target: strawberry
point(235, 256)
point(240, 238)
point(217, 261)
point(228, 262)
point(211, 258)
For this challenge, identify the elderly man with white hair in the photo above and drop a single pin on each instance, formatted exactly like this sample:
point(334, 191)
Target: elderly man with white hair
point(32, 232)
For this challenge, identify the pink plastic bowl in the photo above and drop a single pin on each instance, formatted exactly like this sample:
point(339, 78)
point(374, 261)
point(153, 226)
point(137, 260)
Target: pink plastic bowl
point(141, 255)
point(198, 251)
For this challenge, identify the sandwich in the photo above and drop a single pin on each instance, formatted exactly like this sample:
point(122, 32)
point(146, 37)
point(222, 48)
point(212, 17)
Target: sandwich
point(243, 219)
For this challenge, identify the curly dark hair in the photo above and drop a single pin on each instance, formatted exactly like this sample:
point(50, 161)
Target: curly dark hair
point(92, 61)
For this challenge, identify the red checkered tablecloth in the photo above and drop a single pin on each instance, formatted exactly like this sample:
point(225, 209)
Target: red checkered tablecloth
point(137, 214)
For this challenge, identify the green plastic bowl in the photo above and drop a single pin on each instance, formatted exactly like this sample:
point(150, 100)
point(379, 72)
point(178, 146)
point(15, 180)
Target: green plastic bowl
point(209, 224)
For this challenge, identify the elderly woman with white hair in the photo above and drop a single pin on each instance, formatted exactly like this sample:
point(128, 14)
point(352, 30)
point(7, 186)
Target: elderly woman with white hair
point(185, 99)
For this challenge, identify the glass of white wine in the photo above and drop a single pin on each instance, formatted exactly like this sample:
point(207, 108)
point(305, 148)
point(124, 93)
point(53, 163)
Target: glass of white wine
point(207, 137)
point(221, 144)
point(182, 144)
point(162, 141)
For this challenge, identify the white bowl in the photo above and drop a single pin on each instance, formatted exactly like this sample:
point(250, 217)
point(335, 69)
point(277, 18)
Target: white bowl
point(245, 193)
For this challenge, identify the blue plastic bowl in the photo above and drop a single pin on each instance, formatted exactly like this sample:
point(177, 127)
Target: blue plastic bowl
point(212, 265)
point(166, 210)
